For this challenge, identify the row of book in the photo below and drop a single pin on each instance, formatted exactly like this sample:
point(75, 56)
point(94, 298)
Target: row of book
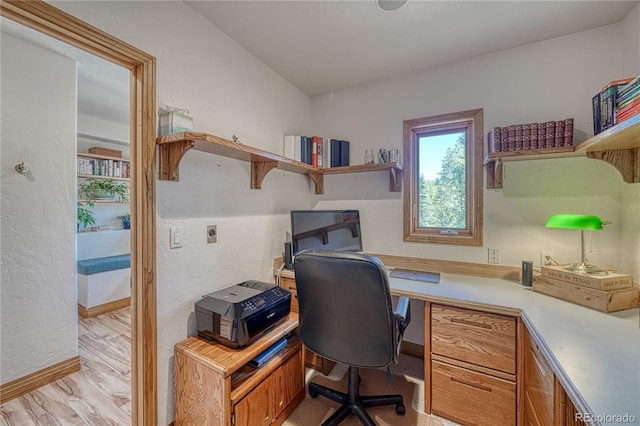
point(106, 168)
point(628, 102)
point(317, 151)
point(530, 136)
point(618, 99)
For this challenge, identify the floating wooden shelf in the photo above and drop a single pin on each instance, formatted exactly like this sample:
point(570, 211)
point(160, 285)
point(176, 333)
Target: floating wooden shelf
point(102, 177)
point(619, 146)
point(173, 147)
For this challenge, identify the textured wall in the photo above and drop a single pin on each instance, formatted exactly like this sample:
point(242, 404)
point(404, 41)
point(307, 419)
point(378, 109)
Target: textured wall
point(544, 81)
point(39, 313)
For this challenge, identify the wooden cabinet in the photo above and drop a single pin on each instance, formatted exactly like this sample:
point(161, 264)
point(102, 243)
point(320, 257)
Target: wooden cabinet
point(213, 385)
point(473, 366)
point(312, 359)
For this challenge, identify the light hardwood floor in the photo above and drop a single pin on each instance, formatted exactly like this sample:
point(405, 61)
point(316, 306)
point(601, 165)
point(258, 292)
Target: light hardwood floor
point(99, 394)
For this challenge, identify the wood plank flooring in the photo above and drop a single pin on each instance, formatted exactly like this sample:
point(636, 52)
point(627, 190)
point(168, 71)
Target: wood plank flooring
point(99, 394)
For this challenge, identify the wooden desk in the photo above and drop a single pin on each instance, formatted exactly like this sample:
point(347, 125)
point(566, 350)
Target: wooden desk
point(214, 386)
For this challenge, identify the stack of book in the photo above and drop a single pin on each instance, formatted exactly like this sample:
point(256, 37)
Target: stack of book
point(317, 151)
point(606, 293)
point(531, 136)
point(628, 101)
point(604, 105)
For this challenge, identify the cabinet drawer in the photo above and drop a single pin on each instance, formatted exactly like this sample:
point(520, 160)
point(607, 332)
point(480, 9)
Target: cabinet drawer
point(469, 397)
point(290, 285)
point(538, 381)
point(475, 337)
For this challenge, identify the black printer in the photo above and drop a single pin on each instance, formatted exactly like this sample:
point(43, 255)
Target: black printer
point(236, 316)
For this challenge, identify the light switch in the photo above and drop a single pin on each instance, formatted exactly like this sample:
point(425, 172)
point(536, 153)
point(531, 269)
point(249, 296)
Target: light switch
point(175, 239)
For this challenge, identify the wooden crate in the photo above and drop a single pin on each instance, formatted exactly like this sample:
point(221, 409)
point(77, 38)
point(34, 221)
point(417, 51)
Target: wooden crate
point(604, 301)
point(105, 151)
point(611, 281)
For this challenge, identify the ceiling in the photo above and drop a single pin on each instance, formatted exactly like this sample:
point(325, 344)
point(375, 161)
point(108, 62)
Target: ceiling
point(325, 45)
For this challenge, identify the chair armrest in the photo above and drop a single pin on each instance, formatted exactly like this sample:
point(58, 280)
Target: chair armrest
point(402, 315)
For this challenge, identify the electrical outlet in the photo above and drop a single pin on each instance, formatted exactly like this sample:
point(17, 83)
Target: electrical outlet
point(546, 258)
point(212, 234)
point(494, 255)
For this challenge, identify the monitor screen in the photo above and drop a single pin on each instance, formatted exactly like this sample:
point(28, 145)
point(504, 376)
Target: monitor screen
point(326, 229)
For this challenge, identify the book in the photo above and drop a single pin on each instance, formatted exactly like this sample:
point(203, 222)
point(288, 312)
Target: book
point(597, 121)
point(297, 149)
point(611, 281)
point(629, 97)
point(326, 143)
point(320, 152)
point(314, 151)
point(608, 102)
point(568, 132)
point(558, 139)
point(629, 86)
point(619, 82)
point(288, 148)
point(335, 153)
point(344, 153)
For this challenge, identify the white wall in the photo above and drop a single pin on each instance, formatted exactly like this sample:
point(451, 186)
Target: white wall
point(544, 81)
point(630, 241)
point(39, 312)
point(228, 92)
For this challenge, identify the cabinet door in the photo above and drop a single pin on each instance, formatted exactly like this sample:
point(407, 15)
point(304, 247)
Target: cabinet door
point(539, 381)
point(255, 409)
point(289, 382)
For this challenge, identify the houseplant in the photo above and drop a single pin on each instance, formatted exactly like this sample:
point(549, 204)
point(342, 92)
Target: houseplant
point(126, 220)
point(98, 189)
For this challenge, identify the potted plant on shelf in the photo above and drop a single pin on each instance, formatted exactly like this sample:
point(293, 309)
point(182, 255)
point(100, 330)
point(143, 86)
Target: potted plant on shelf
point(126, 221)
point(103, 189)
point(85, 217)
point(98, 189)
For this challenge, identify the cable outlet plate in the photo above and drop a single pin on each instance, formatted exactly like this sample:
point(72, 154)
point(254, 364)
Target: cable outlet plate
point(212, 234)
point(494, 255)
point(546, 257)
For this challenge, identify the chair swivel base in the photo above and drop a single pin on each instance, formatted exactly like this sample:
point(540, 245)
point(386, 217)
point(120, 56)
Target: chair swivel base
point(352, 402)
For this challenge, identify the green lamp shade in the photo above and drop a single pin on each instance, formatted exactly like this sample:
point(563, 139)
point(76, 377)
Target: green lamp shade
point(575, 221)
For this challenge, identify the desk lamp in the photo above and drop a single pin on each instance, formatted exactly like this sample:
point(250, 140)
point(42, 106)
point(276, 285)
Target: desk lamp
point(581, 222)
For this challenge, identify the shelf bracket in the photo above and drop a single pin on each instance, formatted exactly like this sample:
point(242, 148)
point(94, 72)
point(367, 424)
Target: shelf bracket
point(627, 161)
point(259, 170)
point(395, 180)
point(170, 155)
point(318, 180)
point(494, 174)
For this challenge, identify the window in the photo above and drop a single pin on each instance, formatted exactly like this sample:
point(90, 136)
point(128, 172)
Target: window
point(443, 178)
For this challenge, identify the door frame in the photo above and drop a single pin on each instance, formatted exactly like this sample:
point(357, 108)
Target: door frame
point(53, 22)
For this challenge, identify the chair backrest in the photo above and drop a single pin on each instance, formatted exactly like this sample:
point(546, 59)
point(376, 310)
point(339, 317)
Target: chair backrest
point(345, 307)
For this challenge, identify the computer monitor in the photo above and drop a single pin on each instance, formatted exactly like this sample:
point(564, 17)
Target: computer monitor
point(326, 229)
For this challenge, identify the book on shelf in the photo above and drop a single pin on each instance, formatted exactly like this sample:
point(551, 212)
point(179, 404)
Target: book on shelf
point(597, 121)
point(608, 282)
point(344, 153)
point(335, 152)
point(628, 97)
point(568, 132)
point(314, 151)
point(630, 86)
point(604, 104)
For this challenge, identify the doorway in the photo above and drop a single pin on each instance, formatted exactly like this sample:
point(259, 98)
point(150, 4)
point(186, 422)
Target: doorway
point(53, 22)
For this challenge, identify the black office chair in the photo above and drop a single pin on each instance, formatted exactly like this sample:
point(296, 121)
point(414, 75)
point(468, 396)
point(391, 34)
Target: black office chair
point(346, 316)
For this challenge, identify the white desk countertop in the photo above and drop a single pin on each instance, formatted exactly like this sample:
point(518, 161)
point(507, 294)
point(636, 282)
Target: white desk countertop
point(595, 355)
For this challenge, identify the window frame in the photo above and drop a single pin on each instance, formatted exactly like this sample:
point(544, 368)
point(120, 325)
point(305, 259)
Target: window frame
point(469, 122)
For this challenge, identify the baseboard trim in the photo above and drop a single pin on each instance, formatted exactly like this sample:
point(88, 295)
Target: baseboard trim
point(104, 308)
point(412, 349)
point(33, 381)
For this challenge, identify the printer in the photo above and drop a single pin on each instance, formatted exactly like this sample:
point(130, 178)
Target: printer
point(236, 316)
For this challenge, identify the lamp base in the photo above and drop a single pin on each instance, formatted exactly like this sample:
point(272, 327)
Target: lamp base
point(586, 268)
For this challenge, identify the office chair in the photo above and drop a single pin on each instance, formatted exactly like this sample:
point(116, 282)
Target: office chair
point(346, 316)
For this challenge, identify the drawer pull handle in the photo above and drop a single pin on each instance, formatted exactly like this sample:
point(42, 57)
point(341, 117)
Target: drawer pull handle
point(538, 363)
point(471, 323)
point(473, 385)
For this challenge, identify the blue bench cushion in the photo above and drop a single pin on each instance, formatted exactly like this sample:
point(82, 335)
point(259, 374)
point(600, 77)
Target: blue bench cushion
point(103, 264)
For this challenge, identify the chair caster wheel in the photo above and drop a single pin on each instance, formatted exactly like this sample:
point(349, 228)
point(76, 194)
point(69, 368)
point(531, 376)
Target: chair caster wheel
point(313, 394)
point(400, 409)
